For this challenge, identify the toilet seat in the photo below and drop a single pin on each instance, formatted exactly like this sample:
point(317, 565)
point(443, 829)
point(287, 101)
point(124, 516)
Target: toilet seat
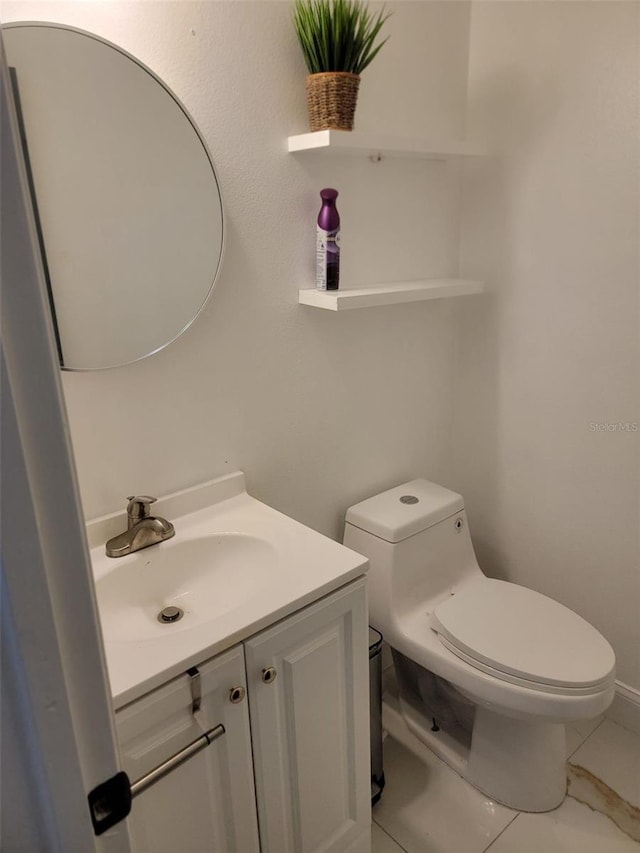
point(521, 636)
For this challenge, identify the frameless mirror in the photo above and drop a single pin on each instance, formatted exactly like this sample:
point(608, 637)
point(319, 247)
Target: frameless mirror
point(125, 193)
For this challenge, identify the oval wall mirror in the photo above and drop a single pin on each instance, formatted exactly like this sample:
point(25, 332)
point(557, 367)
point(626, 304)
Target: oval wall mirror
point(125, 194)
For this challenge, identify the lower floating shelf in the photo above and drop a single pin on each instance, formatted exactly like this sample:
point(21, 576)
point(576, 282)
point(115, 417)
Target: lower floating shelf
point(389, 294)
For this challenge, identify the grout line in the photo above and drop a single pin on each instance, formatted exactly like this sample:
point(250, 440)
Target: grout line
point(582, 742)
point(504, 828)
point(388, 834)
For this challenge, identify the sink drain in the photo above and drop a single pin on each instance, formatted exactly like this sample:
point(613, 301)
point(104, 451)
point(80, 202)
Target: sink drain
point(170, 614)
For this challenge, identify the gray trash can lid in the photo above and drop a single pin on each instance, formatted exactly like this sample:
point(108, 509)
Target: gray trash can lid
point(375, 640)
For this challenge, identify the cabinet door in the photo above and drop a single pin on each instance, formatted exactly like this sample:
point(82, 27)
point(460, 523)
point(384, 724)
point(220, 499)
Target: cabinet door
point(309, 707)
point(208, 803)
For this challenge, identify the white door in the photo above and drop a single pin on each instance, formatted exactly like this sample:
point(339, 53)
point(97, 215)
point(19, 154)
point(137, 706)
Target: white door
point(309, 706)
point(57, 723)
point(207, 804)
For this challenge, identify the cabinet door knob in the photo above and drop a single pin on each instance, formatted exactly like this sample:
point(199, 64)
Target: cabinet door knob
point(237, 694)
point(269, 674)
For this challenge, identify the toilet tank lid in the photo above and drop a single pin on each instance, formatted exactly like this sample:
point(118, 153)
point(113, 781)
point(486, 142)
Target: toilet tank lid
point(401, 512)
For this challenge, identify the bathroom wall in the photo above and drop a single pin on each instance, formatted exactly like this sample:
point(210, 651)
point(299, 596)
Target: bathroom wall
point(319, 409)
point(545, 444)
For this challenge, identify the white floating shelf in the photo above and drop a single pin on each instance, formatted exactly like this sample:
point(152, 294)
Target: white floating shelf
point(389, 294)
point(373, 144)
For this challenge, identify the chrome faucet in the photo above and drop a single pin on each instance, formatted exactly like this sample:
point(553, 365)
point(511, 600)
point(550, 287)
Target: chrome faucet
point(143, 529)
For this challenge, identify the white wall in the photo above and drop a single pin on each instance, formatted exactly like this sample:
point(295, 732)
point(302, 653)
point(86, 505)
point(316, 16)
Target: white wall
point(321, 410)
point(318, 409)
point(552, 223)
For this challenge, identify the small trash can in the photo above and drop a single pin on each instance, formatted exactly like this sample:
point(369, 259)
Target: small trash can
point(375, 703)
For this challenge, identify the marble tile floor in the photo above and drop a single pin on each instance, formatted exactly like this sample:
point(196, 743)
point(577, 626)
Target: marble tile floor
point(427, 808)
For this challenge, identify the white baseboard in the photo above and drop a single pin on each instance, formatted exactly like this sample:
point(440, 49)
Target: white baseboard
point(625, 708)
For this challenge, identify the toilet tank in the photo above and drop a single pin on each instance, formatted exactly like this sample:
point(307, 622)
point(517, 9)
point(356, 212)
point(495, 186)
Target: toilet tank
point(417, 541)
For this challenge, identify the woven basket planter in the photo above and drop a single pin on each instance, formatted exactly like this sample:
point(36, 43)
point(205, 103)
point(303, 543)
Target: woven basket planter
point(331, 99)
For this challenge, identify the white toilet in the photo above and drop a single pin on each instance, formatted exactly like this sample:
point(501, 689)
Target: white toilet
point(488, 671)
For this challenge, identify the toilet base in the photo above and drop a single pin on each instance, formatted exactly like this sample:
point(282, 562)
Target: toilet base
point(518, 763)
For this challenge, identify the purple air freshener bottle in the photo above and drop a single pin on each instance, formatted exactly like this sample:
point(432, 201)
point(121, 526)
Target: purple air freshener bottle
point(328, 242)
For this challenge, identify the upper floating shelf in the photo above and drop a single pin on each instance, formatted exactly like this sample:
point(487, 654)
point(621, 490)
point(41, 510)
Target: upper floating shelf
point(373, 144)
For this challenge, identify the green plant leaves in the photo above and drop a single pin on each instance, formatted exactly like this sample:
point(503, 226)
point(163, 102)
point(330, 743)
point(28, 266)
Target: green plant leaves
point(337, 35)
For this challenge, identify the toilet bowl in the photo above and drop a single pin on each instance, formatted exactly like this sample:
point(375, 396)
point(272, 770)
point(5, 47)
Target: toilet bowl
point(488, 672)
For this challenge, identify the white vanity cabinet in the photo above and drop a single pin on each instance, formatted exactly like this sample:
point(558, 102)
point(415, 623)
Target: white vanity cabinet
point(208, 803)
point(309, 706)
point(306, 747)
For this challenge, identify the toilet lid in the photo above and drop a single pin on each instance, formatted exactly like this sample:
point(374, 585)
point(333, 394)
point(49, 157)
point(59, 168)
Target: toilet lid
point(522, 633)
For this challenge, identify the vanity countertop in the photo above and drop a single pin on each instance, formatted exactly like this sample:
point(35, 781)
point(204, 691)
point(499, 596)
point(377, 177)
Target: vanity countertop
point(275, 566)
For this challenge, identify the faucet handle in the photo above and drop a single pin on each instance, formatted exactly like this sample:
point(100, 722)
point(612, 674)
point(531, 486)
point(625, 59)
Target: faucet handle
point(138, 508)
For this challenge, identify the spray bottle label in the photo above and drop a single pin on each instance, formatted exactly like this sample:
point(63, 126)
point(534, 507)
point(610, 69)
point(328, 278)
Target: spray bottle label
point(327, 259)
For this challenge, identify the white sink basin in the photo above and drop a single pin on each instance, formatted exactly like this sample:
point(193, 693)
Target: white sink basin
point(234, 566)
point(205, 577)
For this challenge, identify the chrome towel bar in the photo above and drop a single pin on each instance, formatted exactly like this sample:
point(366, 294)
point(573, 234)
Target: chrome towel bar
point(159, 772)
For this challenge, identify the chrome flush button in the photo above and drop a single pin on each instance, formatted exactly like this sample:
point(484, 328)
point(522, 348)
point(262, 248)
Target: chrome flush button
point(408, 499)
